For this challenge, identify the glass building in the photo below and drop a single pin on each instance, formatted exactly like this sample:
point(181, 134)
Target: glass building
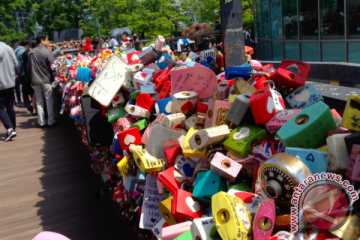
point(308, 30)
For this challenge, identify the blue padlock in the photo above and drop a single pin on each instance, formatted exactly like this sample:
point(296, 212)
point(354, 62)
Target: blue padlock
point(190, 64)
point(316, 160)
point(142, 176)
point(161, 61)
point(129, 181)
point(164, 106)
point(304, 97)
point(131, 100)
point(113, 144)
point(149, 89)
point(117, 149)
point(236, 72)
point(205, 64)
point(208, 183)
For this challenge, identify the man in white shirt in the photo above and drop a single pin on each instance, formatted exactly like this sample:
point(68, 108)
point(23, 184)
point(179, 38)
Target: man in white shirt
point(113, 41)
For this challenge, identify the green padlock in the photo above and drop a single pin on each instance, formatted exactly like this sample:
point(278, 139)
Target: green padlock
point(185, 236)
point(241, 187)
point(241, 138)
point(115, 113)
point(134, 94)
point(308, 128)
point(141, 125)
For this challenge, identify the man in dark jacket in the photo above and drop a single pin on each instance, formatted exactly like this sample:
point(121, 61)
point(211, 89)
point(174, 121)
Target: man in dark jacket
point(39, 64)
point(8, 64)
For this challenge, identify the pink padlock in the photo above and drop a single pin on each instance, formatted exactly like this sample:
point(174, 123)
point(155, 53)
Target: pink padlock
point(124, 123)
point(225, 167)
point(279, 119)
point(171, 232)
point(256, 65)
point(75, 111)
point(353, 168)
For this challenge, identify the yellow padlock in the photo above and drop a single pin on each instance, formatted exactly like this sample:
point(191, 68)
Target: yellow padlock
point(232, 218)
point(124, 166)
point(165, 211)
point(323, 148)
point(146, 162)
point(351, 116)
point(188, 152)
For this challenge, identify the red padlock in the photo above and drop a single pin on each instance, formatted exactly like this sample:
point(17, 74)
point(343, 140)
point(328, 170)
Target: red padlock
point(133, 58)
point(201, 108)
point(144, 100)
point(172, 179)
point(258, 82)
point(287, 78)
point(171, 155)
point(127, 137)
point(165, 91)
point(185, 207)
point(231, 82)
point(262, 105)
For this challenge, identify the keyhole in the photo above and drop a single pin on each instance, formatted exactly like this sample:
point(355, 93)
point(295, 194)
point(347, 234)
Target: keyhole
point(223, 216)
point(198, 139)
point(300, 120)
point(264, 223)
point(164, 91)
point(291, 76)
point(166, 215)
point(259, 93)
point(226, 164)
point(137, 68)
point(185, 94)
point(209, 114)
point(198, 238)
point(132, 109)
point(138, 161)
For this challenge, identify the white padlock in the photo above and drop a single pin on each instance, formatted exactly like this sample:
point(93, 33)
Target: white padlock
point(209, 136)
point(137, 111)
point(171, 120)
point(201, 228)
point(184, 102)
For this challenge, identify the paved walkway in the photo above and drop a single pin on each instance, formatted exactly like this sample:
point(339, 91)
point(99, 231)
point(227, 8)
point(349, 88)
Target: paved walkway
point(47, 184)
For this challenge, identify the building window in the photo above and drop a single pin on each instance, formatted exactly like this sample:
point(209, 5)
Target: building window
point(265, 18)
point(308, 19)
point(353, 18)
point(292, 50)
point(258, 18)
point(353, 52)
point(276, 25)
point(267, 50)
point(277, 52)
point(310, 52)
point(333, 51)
point(332, 19)
point(290, 19)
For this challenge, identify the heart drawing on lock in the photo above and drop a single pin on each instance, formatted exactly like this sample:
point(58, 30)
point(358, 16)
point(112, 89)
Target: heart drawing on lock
point(188, 170)
point(114, 112)
point(129, 139)
point(270, 105)
point(161, 59)
point(187, 106)
point(153, 220)
point(303, 96)
point(178, 177)
point(116, 98)
point(135, 57)
point(168, 107)
point(144, 75)
point(193, 205)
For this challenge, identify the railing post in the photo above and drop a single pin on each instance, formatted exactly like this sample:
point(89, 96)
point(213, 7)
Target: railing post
point(232, 33)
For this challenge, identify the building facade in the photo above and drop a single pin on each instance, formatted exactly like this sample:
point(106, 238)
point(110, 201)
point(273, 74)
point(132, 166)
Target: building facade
point(308, 30)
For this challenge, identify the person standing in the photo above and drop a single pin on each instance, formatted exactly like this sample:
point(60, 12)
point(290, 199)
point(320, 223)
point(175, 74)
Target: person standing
point(39, 64)
point(113, 41)
point(8, 64)
point(95, 43)
point(27, 89)
point(135, 39)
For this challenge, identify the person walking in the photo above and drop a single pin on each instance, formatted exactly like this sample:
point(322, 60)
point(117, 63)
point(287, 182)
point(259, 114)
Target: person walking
point(27, 89)
point(113, 41)
point(8, 64)
point(39, 64)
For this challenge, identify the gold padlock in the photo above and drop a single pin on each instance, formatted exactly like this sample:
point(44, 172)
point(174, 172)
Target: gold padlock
point(351, 117)
point(350, 230)
point(221, 116)
point(165, 211)
point(146, 162)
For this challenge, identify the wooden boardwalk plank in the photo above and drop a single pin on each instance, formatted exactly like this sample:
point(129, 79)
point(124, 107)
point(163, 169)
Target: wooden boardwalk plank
point(47, 184)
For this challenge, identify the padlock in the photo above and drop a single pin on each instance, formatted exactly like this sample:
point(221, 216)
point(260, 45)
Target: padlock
point(241, 138)
point(256, 65)
point(201, 228)
point(185, 207)
point(144, 100)
point(201, 165)
point(208, 137)
point(141, 125)
point(127, 137)
point(262, 105)
point(124, 123)
point(148, 89)
point(125, 166)
point(133, 95)
point(185, 166)
point(338, 155)
point(264, 221)
point(115, 113)
point(133, 58)
point(165, 211)
point(162, 79)
point(171, 120)
point(308, 129)
point(280, 174)
point(201, 110)
point(238, 72)
point(336, 117)
point(184, 102)
point(250, 200)
point(242, 87)
point(171, 154)
point(258, 82)
point(141, 78)
point(216, 113)
point(240, 111)
point(241, 187)
point(190, 122)
point(283, 235)
point(172, 180)
point(130, 180)
point(157, 229)
point(350, 230)
point(118, 100)
point(222, 90)
point(279, 119)
point(317, 161)
point(225, 167)
point(333, 132)
point(283, 221)
point(304, 97)
point(164, 106)
point(188, 151)
point(165, 90)
point(351, 116)
point(208, 183)
point(149, 55)
point(171, 232)
point(147, 163)
point(136, 67)
point(287, 78)
point(160, 63)
point(137, 111)
point(353, 138)
point(114, 142)
point(232, 218)
point(185, 236)
point(353, 168)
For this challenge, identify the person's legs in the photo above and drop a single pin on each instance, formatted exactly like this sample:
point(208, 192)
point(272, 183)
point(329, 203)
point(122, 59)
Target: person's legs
point(5, 119)
point(9, 101)
point(34, 103)
point(39, 93)
point(26, 93)
point(47, 88)
point(17, 91)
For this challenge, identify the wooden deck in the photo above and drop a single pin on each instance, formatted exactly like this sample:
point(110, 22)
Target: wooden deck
point(47, 184)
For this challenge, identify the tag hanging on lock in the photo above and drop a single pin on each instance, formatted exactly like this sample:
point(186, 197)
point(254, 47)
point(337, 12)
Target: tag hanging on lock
point(278, 100)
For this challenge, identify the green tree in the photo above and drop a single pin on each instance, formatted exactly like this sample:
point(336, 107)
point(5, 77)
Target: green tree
point(148, 18)
point(8, 22)
point(209, 11)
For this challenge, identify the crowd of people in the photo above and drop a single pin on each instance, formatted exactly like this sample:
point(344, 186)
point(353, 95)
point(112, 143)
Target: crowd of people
point(29, 66)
